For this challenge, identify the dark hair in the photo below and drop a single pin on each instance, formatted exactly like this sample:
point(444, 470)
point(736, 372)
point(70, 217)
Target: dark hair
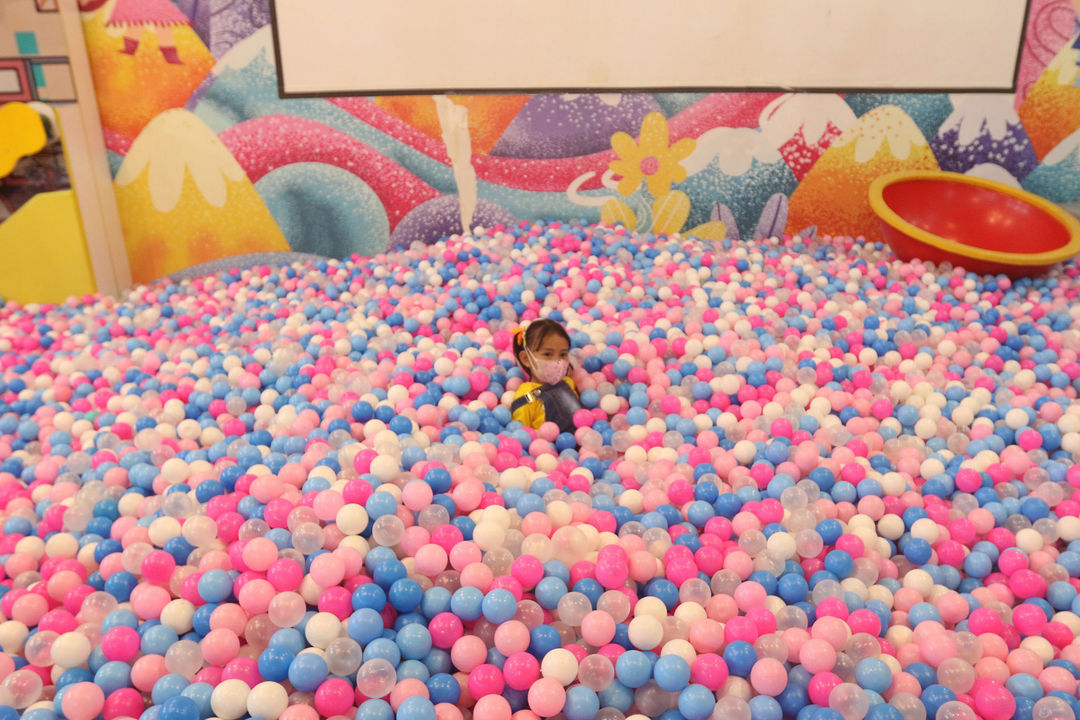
point(534, 336)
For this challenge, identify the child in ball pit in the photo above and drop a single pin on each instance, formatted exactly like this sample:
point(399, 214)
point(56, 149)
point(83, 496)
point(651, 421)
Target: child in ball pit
point(543, 350)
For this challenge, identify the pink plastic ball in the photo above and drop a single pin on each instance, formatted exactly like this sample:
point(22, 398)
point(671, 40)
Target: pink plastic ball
point(125, 702)
point(597, 628)
point(546, 697)
point(146, 671)
point(446, 629)
point(158, 566)
point(992, 700)
point(468, 652)
point(120, 643)
point(327, 570)
point(489, 707)
point(484, 680)
point(220, 646)
point(521, 670)
point(768, 676)
point(710, 670)
point(83, 701)
point(334, 697)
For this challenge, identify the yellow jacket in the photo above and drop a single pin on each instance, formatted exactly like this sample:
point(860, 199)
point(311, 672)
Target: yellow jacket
point(532, 414)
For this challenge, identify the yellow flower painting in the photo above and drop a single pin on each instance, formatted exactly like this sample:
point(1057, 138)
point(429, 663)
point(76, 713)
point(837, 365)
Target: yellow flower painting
point(651, 159)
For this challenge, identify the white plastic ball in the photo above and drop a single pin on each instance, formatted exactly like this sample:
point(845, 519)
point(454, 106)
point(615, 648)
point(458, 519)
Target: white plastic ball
point(229, 699)
point(267, 700)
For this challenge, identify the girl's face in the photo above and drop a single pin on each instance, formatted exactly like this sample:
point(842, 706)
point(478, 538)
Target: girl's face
point(553, 348)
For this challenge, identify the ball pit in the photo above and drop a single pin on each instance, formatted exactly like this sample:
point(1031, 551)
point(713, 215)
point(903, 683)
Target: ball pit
point(810, 481)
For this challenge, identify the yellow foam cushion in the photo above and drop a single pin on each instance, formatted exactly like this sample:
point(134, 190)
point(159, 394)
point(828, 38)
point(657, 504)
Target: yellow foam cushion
point(43, 255)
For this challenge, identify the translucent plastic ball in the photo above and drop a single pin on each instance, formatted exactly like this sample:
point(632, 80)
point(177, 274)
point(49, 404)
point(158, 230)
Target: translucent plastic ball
point(25, 688)
point(596, 672)
point(850, 701)
point(343, 656)
point(1052, 708)
point(38, 648)
point(184, 658)
point(376, 678)
point(956, 710)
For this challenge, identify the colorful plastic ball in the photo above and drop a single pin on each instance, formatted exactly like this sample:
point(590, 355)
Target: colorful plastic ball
point(334, 697)
point(267, 700)
point(768, 676)
point(521, 670)
point(740, 657)
point(671, 673)
point(489, 707)
point(229, 699)
point(696, 702)
point(123, 702)
point(23, 688)
point(374, 710)
point(415, 708)
point(307, 671)
point(82, 701)
point(444, 688)
point(179, 708)
point(633, 669)
point(499, 606)
point(992, 700)
point(376, 678)
point(274, 663)
point(873, 674)
point(547, 697)
point(70, 649)
point(582, 703)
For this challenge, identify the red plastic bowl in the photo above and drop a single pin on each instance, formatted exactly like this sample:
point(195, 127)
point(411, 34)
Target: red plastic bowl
point(984, 226)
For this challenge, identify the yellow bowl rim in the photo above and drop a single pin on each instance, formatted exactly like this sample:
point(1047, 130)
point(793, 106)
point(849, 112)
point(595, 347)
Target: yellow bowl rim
point(1049, 257)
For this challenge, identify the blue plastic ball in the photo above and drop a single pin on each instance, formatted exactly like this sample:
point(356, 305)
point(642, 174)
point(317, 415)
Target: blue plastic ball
point(307, 671)
point(179, 708)
point(582, 703)
point(696, 702)
point(499, 606)
point(415, 708)
point(873, 674)
point(633, 668)
point(374, 710)
point(671, 673)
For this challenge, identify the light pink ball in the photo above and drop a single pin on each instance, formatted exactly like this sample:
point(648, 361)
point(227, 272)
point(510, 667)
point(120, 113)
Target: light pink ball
point(220, 646)
point(83, 701)
point(327, 570)
point(299, 712)
point(546, 697)
point(446, 711)
point(491, 707)
point(148, 600)
point(768, 676)
point(431, 560)
point(598, 628)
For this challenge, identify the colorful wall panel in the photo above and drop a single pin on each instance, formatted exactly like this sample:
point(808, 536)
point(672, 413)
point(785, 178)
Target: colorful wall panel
point(209, 161)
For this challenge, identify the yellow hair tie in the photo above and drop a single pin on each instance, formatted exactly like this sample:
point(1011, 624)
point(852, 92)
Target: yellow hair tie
point(519, 332)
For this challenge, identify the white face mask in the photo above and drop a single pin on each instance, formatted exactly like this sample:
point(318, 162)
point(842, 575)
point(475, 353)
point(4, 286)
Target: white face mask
point(548, 372)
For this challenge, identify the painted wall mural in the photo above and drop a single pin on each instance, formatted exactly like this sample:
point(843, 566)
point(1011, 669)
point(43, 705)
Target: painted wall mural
point(209, 162)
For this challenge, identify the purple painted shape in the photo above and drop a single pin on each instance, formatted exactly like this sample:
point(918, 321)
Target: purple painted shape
point(773, 217)
point(439, 217)
point(1013, 151)
point(223, 23)
point(554, 126)
point(723, 213)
